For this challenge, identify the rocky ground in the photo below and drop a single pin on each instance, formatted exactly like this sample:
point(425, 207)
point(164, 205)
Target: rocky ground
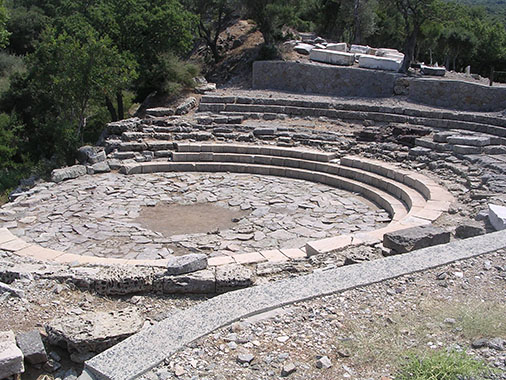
point(361, 333)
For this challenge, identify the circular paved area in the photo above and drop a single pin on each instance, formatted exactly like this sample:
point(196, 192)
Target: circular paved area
point(113, 215)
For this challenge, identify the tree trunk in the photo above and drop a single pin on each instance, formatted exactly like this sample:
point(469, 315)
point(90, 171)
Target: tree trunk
point(119, 100)
point(409, 51)
point(356, 21)
point(111, 109)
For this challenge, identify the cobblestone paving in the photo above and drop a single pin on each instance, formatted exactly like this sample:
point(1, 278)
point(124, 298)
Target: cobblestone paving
point(96, 215)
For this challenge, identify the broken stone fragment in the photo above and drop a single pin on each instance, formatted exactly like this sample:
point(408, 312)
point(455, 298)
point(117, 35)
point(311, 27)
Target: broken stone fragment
point(94, 331)
point(232, 276)
point(30, 344)
point(497, 216)
point(71, 172)
point(201, 282)
point(11, 357)
point(414, 238)
point(186, 264)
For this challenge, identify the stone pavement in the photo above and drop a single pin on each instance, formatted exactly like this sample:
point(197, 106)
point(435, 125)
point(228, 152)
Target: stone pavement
point(97, 215)
point(141, 352)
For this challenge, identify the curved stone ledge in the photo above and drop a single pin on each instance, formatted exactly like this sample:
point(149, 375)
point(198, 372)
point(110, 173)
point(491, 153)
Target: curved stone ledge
point(410, 199)
point(145, 350)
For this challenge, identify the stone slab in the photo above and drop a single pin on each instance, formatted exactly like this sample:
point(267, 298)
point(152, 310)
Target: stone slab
point(379, 63)
point(145, 350)
point(469, 140)
point(497, 216)
point(333, 57)
point(6, 235)
point(342, 46)
point(433, 71)
point(186, 264)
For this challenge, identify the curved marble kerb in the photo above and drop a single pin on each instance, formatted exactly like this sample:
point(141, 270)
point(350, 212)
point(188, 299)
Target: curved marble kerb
point(410, 198)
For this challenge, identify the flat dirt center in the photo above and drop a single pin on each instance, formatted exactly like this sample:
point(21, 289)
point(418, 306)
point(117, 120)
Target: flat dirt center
point(175, 219)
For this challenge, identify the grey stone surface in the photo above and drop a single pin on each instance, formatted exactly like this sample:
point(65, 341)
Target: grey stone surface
point(30, 344)
point(147, 349)
point(497, 216)
point(470, 229)
point(303, 48)
point(93, 331)
point(186, 264)
point(201, 282)
point(4, 288)
point(71, 172)
point(414, 238)
point(11, 357)
point(160, 111)
point(469, 140)
point(322, 79)
point(459, 95)
point(232, 276)
point(186, 106)
point(433, 71)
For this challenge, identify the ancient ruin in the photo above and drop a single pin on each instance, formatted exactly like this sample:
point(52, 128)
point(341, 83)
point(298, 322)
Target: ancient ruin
point(336, 176)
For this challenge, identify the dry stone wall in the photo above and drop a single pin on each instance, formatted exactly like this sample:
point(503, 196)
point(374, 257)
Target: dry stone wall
point(312, 78)
point(322, 79)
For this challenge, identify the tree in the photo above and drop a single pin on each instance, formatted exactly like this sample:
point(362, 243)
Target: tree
point(414, 13)
point(4, 34)
point(213, 18)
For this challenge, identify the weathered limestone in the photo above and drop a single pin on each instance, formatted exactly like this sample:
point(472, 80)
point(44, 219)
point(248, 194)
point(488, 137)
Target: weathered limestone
point(433, 71)
point(186, 264)
point(342, 46)
point(232, 277)
point(200, 282)
point(30, 344)
point(497, 216)
point(94, 331)
point(186, 106)
point(411, 239)
point(379, 63)
point(11, 357)
point(468, 140)
point(361, 49)
point(332, 57)
point(160, 111)
point(303, 48)
point(71, 172)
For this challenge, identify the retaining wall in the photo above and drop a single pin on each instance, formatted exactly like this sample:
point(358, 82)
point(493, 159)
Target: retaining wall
point(351, 81)
point(322, 79)
point(457, 94)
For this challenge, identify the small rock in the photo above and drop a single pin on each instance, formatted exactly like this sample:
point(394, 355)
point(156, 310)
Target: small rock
point(245, 358)
point(323, 363)
point(282, 339)
point(496, 344)
point(450, 321)
point(288, 369)
point(178, 370)
point(479, 343)
point(344, 353)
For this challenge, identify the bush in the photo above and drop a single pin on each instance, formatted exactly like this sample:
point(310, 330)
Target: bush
point(442, 365)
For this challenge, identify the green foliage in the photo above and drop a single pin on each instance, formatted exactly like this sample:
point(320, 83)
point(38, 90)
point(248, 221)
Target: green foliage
point(4, 34)
point(441, 365)
point(171, 75)
point(25, 25)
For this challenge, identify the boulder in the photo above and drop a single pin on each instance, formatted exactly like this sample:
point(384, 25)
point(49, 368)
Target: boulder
point(232, 276)
point(186, 264)
point(186, 106)
point(414, 238)
point(303, 48)
point(332, 57)
point(201, 282)
point(93, 331)
point(70, 172)
point(497, 216)
point(30, 344)
point(11, 357)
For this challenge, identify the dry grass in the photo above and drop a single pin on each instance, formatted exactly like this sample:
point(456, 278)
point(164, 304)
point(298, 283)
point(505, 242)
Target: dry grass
point(380, 341)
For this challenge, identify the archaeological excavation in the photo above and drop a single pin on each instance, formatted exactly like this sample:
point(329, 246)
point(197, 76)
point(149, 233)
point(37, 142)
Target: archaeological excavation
point(331, 180)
